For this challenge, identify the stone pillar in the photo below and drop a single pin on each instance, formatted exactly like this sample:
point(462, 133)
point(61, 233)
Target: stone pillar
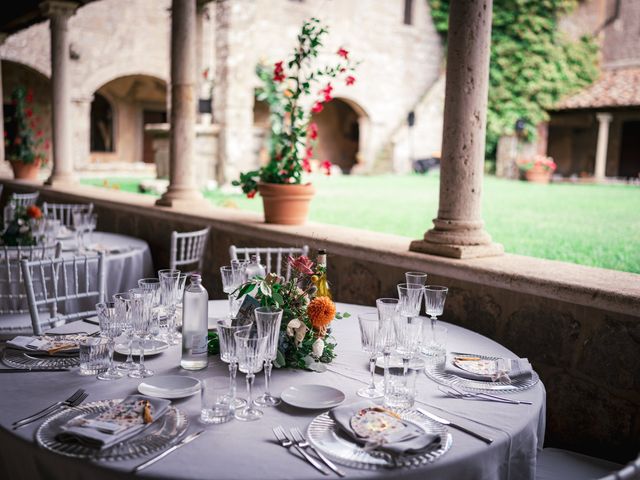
point(182, 189)
point(604, 121)
point(81, 108)
point(3, 37)
point(59, 13)
point(459, 230)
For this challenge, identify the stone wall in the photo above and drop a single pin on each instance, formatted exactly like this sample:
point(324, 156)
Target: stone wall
point(579, 326)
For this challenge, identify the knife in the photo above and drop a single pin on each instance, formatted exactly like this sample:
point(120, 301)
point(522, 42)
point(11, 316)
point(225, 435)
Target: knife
point(449, 423)
point(183, 442)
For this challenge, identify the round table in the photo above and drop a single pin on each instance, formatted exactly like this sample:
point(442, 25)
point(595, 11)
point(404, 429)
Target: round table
point(247, 450)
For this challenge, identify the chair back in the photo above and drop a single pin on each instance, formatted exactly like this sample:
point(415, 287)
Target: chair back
point(188, 248)
point(64, 211)
point(273, 258)
point(630, 472)
point(13, 297)
point(24, 199)
point(66, 289)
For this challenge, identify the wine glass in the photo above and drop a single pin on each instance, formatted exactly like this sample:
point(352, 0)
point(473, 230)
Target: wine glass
point(142, 318)
point(435, 296)
point(231, 281)
point(250, 349)
point(122, 304)
point(110, 327)
point(410, 296)
point(80, 221)
point(152, 285)
point(387, 311)
point(169, 280)
point(268, 321)
point(228, 354)
point(369, 328)
point(416, 278)
point(408, 331)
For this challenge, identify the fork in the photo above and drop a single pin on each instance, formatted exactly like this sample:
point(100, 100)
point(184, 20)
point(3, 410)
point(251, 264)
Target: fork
point(77, 393)
point(284, 441)
point(455, 393)
point(77, 400)
point(300, 441)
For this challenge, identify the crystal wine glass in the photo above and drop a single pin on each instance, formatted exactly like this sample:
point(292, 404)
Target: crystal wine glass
point(122, 303)
point(435, 296)
point(410, 296)
point(408, 331)
point(228, 354)
point(369, 328)
point(110, 327)
point(169, 280)
point(268, 321)
point(387, 311)
point(142, 318)
point(80, 222)
point(250, 348)
point(416, 278)
point(231, 281)
point(152, 285)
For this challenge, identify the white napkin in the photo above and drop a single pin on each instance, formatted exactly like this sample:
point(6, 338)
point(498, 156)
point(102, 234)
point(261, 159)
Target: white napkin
point(500, 370)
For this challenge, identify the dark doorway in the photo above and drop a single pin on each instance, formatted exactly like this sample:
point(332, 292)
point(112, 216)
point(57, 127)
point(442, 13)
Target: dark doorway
point(150, 116)
point(101, 124)
point(630, 150)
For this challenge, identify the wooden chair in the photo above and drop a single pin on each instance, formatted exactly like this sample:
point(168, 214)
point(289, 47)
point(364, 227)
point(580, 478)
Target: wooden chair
point(24, 199)
point(187, 248)
point(64, 211)
point(267, 253)
point(73, 285)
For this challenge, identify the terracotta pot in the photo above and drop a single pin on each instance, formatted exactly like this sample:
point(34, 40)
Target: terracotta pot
point(25, 171)
point(538, 175)
point(286, 204)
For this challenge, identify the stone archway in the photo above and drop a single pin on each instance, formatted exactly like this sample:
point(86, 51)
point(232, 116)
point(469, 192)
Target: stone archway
point(342, 126)
point(133, 102)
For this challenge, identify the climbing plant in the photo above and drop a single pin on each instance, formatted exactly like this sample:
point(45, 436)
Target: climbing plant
point(533, 64)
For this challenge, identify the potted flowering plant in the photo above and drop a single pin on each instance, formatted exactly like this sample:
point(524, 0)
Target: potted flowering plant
point(25, 148)
point(19, 231)
point(537, 169)
point(305, 333)
point(291, 90)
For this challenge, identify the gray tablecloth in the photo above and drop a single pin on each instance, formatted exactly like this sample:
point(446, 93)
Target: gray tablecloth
point(239, 450)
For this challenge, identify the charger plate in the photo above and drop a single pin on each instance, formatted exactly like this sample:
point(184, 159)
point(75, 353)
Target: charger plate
point(435, 371)
point(158, 436)
point(323, 434)
point(25, 360)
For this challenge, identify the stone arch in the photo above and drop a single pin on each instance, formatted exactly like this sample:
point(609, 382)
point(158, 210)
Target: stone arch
point(135, 100)
point(117, 70)
point(343, 127)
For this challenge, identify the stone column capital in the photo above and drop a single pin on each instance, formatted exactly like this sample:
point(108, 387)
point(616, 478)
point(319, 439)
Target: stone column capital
point(604, 117)
point(58, 8)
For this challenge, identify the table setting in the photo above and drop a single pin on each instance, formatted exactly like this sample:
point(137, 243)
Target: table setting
point(370, 405)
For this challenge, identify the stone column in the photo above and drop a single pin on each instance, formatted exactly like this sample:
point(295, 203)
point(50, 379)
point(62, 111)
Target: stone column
point(459, 230)
point(604, 121)
point(182, 189)
point(3, 37)
point(59, 13)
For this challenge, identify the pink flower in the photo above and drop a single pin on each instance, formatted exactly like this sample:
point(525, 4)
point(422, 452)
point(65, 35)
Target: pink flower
point(318, 107)
point(278, 72)
point(343, 53)
point(302, 264)
point(326, 165)
point(251, 194)
point(313, 131)
point(350, 80)
point(306, 165)
point(326, 91)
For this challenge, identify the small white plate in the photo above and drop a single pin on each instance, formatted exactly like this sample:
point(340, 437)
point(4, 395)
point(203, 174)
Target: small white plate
point(152, 347)
point(313, 397)
point(170, 386)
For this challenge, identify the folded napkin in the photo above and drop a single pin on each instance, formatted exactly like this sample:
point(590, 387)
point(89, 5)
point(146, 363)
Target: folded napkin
point(54, 346)
point(375, 427)
point(483, 370)
point(122, 421)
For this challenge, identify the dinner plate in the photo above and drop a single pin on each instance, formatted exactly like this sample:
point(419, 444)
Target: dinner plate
point(152, 347)
point(312, 397)
point(170, 386)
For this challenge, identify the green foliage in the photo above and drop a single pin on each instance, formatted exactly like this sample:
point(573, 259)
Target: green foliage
point(19, 232)
point(532, 64)
point(213, 343)
point(27, 143)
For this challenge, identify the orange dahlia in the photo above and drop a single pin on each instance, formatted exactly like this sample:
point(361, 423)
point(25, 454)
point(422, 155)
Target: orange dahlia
point(34, 212)
point(321, 311)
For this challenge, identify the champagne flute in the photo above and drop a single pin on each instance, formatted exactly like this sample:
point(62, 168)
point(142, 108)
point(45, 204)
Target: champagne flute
point(250, 348)
point(168, 293)
point(229, 354)
point(142, 324)
point(122, 303)
point(268, 321)
point(369, 328)
point(110, 327)
point(387, 311)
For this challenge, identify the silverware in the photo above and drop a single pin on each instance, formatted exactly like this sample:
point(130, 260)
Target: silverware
point(72, 398)
point(45, 413)
point(449, 423)
point(301, 442)
point(284, 441)
point(182, 443)
point(27, 370)
point(455, 393)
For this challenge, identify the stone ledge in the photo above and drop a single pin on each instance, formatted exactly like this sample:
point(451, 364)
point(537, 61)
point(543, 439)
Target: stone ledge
point(598, 288)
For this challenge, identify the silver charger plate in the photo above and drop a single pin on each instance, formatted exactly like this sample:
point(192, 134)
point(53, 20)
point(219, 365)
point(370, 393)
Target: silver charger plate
point(323, 435)
point(24, 360)
point(435, 371)
point(158, 436)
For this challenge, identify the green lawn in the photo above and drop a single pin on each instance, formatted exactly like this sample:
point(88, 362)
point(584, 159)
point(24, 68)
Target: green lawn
point(587, 224)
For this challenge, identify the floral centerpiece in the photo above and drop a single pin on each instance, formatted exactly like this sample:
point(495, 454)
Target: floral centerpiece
point(19, 231)
point(294, 91)
point(537, 169)
point(25, 147)
point(305, 334)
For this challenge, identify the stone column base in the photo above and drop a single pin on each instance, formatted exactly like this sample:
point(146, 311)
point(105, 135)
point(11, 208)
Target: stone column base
point(175, 197)
point(61, 179)
point(457, 251)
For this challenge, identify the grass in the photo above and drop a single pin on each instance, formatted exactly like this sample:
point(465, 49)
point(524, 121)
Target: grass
point(596, 225)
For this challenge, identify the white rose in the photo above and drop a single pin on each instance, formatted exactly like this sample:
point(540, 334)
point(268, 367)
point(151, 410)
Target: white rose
point(317, 348)
point(301, 331)
point(292, 326)
point(24, 229)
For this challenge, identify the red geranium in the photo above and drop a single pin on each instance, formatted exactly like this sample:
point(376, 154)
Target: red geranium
point(343, 53)
point(326, 165)
point(278, 73)
point(318, 107)
point(251, 194)
point(350, 80)
point(326, 91)
point(313, 130)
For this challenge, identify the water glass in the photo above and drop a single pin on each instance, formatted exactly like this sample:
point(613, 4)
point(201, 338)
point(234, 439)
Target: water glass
point(250, 348)
point(434, 340)
point(122, 304)
point(416, 278)
point(400, 389)
point(215, 400)
point(369, 329)
point(94, 355)
point(228, 353)
point(268, 320)
point(410, 296)
point(111, 327)
point(388, 309)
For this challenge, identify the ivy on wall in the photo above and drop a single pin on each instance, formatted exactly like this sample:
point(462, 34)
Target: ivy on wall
point(533, 64)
